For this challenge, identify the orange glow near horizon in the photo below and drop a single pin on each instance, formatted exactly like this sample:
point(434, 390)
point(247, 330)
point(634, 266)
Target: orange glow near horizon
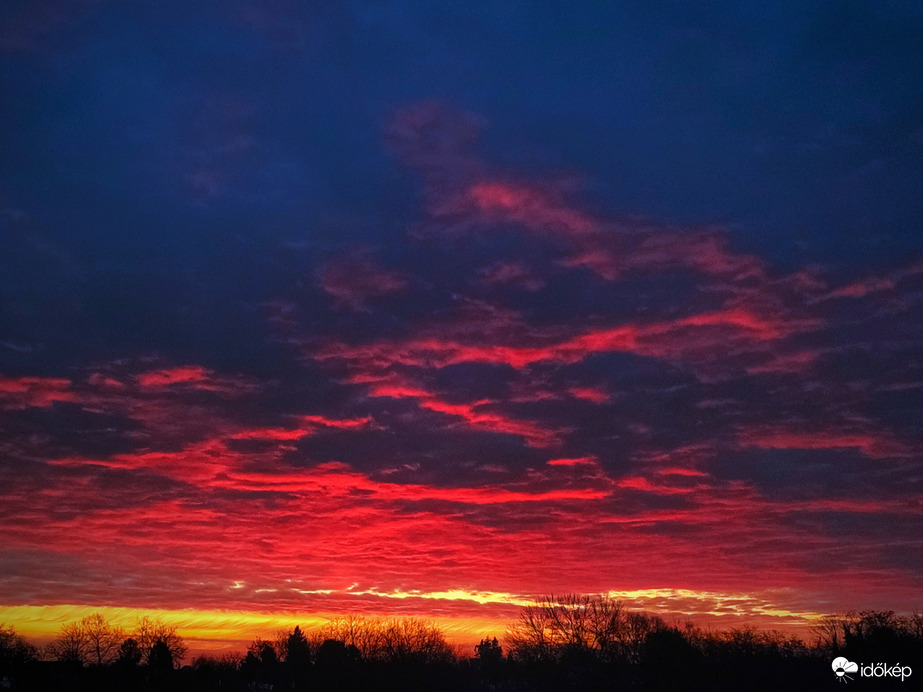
point(231, 630)
point(216, 630)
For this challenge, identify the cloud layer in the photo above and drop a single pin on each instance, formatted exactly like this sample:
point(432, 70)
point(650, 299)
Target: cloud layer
point(285, 337)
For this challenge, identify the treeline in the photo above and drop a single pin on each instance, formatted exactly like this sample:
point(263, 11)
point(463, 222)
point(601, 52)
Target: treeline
point(592, 643)
point(93, 654)
point(568, 642)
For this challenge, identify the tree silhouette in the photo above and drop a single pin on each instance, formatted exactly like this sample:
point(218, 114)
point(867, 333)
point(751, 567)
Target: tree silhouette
point(15, 651)
point(149, 631)
point(264, 652)
point(391, 640)
point(871, 635)
point(828, 633)
point(669, 661)
point(69, 646)
point(357, 631)
point(161, 657)
point(412, 640)
point(574, 623)
point(129, 653)
point(102, 639)
point(298, 654)
point(569, 642)
point(334, 654)
point(261, 663)
point(489, 656)
point(531, 638)
point(489, 651)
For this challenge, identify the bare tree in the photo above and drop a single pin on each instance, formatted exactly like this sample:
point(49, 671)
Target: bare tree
point(355, 630)
point(828, 633)
point(915, 624)
point(566, 622)
point(102, 639)
point(70, 645)
point(410, 639)
point(599, 625)
point(607, 624)
point(90, 641)
point(392, 640)
point(14, 650)
point(569, 619)
point(530, 638)
point(149, 631)
point(637, 627)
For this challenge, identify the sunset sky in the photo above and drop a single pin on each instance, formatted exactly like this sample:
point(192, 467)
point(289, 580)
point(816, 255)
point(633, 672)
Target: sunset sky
point(432, 308)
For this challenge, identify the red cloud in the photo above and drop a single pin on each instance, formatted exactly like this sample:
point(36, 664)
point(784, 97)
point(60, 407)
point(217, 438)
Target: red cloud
point(309, 425)
point(337, 479)
point(341, 423)
point(576, 461)
point(198, 463)
point(38, 392)
point(860, 289)
point(704, 251)
point(478, 414)
point(194, 377)
point(530, 207)
point(436, 140)
point(514, 273)
point(668, 340)
point(681, 471)
point(598, 260)
point(355, 280)
point(871, 444)
point(350, 532)
point(593, 394)
point(191, 375)
point(786, 362)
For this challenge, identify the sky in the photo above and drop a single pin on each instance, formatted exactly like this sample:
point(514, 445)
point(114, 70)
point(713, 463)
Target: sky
point(434, 308)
